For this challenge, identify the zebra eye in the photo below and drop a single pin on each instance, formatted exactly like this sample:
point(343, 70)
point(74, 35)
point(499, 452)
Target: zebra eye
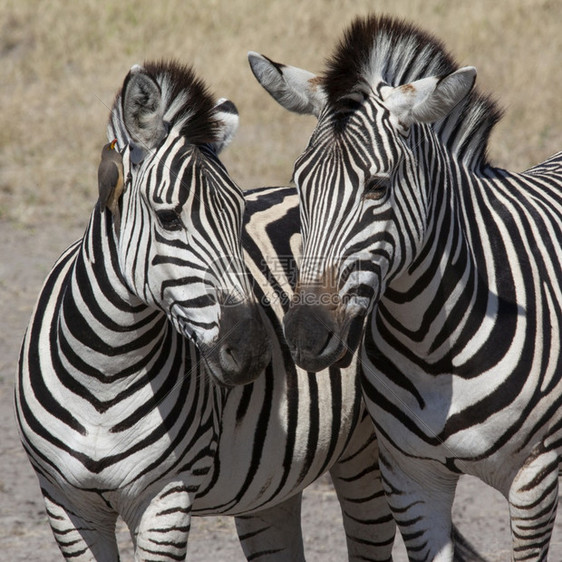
point(170, 219)
point(376, 187)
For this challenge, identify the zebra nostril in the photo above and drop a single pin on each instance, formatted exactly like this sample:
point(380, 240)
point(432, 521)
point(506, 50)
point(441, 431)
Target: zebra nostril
point(313, 336)
point(228, 358)
point(329, 336)
point(309, 328)
point(243, 351)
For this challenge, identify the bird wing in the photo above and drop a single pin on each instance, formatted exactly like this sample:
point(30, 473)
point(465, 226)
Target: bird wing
point(108, 178)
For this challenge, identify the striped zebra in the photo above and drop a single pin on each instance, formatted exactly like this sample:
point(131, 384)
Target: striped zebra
point(450, 268)
point(130, 395)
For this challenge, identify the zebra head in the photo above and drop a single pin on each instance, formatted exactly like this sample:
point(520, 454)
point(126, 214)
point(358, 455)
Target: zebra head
point(179, 219)
point(363, 205)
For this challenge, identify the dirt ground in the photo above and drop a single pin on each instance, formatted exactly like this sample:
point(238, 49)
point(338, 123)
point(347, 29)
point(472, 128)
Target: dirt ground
point(27, 255)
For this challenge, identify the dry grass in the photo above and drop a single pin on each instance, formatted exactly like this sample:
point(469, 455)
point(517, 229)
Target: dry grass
point(63, 61)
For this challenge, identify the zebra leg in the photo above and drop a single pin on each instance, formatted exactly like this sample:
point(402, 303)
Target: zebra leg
point(533, 500)
point(81, 538)
point(162, 529)
point(368, 523)
point(274, 533)
point(421, 500)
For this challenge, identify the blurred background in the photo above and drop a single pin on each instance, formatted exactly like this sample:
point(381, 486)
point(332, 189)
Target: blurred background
point(62, 63)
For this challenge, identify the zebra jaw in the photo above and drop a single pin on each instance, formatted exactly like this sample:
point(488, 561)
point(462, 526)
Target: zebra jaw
point(228, 358)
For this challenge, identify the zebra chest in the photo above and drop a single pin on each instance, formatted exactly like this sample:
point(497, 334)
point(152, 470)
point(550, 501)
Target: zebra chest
point(108, 459)
point(447, 416)
point(277, 436)
point(136, 440)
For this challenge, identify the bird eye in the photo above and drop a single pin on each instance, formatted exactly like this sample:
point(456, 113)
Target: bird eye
point(376, 187)
point(170, 219)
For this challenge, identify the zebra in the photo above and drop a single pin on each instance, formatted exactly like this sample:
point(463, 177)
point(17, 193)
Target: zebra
point(153, 381)
point(443, 270)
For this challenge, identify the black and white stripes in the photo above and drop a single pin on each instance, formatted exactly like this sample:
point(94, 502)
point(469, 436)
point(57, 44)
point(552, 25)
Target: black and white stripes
point(454, 264)
point(126, 396)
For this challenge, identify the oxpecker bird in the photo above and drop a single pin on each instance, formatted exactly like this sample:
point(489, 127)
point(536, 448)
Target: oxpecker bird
point(110, 177)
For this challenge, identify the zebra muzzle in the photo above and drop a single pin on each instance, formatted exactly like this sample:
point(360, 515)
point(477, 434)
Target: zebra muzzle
point(314, 336)
point(242, 350)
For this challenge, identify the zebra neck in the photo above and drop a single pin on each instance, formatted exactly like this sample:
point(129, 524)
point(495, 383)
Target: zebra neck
point(447, 293)
point(106, 330)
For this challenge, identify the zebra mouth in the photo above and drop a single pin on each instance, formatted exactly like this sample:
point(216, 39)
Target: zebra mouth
point(231, 367)
point(354, 334)
point(319, 337)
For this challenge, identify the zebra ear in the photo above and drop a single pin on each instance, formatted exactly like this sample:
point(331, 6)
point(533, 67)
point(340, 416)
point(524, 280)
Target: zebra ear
point(294, 88)
point(143, 108)
point(429, 99)
point(227, 117)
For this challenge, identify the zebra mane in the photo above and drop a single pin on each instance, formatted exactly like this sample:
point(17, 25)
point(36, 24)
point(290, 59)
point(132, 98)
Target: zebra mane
point(189, 105)
point(381, 48)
